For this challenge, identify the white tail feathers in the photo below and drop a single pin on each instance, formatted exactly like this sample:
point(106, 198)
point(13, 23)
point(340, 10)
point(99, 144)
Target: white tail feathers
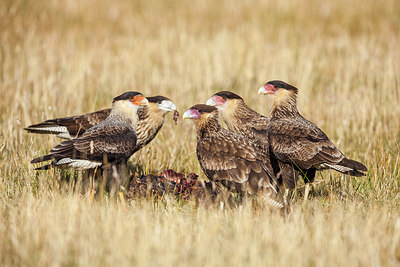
point(273, 202)
point(339, 167)
point(78, 163)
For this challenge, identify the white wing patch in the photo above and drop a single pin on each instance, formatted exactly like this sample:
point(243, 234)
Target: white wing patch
point(65, 136)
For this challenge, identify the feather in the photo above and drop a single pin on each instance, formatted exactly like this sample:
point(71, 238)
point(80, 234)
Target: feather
point(69, 127)
point(111, 140)
point(227, 157)
point(294, 139)
point(246, 122)
point(151, 119)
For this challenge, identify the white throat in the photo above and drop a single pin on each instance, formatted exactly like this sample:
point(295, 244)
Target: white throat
point(125, 110)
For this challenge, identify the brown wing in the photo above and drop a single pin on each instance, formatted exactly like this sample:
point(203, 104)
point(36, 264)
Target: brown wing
point(302, 142)
point(79, 124)
point(259, 127)
point(256, 129)
point(248, 123)
point(70, 127)
point(113, 141)
point(233, 158)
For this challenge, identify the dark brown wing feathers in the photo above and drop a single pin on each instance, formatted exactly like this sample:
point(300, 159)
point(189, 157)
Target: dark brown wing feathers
point(116, 142)
point(301, 142)
point(76, 125)
point(228, 156)
point(253, 126)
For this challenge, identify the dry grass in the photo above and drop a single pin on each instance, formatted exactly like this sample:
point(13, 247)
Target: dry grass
point(68, 57)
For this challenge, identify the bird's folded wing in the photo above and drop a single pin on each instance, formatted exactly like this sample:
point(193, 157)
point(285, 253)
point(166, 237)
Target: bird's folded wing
point(259, 129)
point(113, 140)
point(302, 143)
point(77, 125)
point(71, 126)
point(230, 159)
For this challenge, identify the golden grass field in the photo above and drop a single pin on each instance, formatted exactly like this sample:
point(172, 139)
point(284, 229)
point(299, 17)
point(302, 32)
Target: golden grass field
point(67, 57)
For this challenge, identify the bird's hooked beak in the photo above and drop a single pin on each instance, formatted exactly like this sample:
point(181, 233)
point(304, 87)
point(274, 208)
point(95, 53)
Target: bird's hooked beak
point(167, 105)
point(215, 101)
point(191, 114)
point(139, 100)
point(267, 89)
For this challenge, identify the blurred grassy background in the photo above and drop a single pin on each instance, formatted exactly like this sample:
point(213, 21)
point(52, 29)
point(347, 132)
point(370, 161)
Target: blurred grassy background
point(69, 57)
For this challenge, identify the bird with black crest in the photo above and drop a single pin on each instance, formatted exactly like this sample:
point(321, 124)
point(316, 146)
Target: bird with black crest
point(294, 139)
point(229, 159)
point(150, 120)
point(243, 120)
point(112, 141)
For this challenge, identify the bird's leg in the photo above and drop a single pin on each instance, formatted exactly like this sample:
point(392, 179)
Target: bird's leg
point(115, 181)
point(306, 191)
point(285, 197)
point(124, 174)
point(101, 183)
point(91, 187)
point(107, 180)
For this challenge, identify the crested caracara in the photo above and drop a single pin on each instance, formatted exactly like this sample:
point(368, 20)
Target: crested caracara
point(245, 121)
point(151, 119)
point(294, 139)
point(111, 141)
point(230, 159)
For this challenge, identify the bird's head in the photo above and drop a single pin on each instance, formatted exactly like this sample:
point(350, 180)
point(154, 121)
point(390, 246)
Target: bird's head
point(128, 102)
point(224, 99)
point(161, 103)
point(132, 98)
point(201, 113)
point(229, 105)
point(277, 88)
